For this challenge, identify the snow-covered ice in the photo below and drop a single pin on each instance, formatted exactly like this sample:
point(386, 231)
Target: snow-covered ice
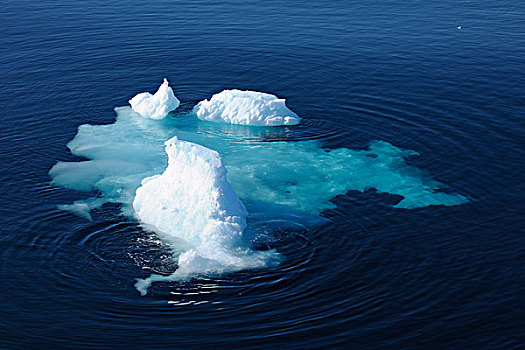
point(246, 108)
point(155, 106)
point(193, 201)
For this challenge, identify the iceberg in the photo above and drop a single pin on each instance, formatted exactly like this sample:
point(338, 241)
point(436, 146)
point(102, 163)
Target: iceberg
point(246, 108)
point(193, 201)
point(155, 106)
point(179, 189)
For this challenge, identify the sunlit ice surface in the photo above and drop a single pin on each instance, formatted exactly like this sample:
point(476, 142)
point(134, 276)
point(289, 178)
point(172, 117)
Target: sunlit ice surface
point(158, 105)
point(246, 108)
point(192, 200)
point(276, 180)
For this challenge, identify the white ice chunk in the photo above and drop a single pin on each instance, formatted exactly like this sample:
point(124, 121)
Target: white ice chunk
point(193, 201)
point(246, 108)
point(155, 106)
point(280, 183)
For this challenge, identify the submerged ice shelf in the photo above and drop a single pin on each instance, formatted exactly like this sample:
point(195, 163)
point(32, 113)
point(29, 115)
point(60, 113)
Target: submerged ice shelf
point(192, 201)
point(300, 177)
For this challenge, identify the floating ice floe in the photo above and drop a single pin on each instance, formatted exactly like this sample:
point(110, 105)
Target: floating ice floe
point(193, 201)
point(269, 177)
point(246, 108)
point(155, 106)
point(192, 205)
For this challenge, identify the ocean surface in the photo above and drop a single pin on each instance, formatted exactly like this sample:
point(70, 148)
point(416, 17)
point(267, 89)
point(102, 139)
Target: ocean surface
point(444, 79)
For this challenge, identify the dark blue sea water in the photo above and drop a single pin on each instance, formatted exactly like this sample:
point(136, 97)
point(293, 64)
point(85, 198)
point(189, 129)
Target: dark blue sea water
point(373, 276)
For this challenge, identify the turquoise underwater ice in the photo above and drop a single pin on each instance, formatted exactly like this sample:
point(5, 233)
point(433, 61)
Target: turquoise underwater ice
point(300, 176)
point(272, 179)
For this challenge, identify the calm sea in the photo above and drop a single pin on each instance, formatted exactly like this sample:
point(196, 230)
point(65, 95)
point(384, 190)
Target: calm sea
point(443, 78)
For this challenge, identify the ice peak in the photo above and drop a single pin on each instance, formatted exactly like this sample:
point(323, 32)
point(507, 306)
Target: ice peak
point(155, 106)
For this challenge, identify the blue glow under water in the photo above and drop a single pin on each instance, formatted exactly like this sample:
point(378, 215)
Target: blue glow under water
point(297, 176)
point(274, 179)
point(373, 275)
